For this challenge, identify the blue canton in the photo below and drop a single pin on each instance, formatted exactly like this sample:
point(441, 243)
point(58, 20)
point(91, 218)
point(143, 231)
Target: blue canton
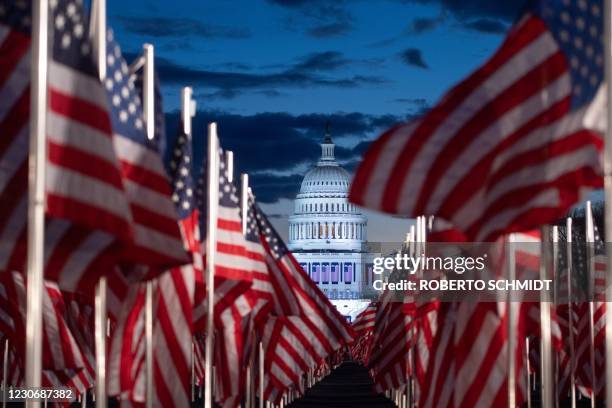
point(577, 26)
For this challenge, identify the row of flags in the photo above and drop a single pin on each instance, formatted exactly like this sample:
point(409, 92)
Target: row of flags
point(114, 210)
point(511, 148)
point(456, 353)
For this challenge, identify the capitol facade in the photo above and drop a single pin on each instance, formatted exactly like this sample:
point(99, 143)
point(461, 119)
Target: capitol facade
point(328, 235)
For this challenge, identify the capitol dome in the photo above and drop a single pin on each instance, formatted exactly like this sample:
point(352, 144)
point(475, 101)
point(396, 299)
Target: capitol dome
point(323, 219)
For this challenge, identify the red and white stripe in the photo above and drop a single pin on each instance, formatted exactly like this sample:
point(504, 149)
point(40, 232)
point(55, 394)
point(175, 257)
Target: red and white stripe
point(83, 180)
point(501, 152)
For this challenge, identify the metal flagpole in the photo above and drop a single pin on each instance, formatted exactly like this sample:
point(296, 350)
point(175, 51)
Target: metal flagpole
point(5, 372)
point(570, 317)
point(511, 326)
point(261, 375)
point(546, 262)
point(98, 36)
point(229, 161)
point(211, 246)
point(187, 109)
point(590, 243)
point(244, 202)
point(608, 192)
point(148, 100)
point(36, 196)
point(527, 370)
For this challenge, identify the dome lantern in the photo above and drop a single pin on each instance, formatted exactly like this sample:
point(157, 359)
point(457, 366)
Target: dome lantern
point(327, 150)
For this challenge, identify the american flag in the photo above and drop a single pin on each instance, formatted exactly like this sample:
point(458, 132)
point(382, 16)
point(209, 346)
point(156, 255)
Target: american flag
point(308, 327)
point(233, 266)
point(172, 334)
point(158, 241)
point(588, 284)
point(509, 148)
point(86, 204)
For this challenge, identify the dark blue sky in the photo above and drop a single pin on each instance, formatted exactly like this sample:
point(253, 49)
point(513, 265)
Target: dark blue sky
point(272, 72)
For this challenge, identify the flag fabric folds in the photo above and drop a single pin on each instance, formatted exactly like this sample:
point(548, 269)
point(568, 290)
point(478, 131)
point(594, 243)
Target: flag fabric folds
point(512, 146)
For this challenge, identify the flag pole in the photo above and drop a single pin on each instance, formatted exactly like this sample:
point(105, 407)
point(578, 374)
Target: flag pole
point(187, 109)
point(590, 246)
point(36, 195)
point(148, 100)
point(5, 371)
point(570, 318)
point(244, 201)
point(511, 326)
point(608, 193)
point(211, 246)
point(547, 249)
point(98, 37)
point(261, 375)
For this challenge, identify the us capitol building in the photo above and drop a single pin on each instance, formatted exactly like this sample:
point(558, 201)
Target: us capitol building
point(328, 235)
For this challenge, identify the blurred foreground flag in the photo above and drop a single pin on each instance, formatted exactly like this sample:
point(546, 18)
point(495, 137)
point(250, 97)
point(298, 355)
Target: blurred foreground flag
point(511, 147)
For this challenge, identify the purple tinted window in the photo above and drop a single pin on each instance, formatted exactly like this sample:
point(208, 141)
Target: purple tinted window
point(325, 273)
point(335, 272)
point(315, 272)
point(348, 273)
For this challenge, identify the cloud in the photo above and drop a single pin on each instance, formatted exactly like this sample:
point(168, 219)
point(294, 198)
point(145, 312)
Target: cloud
point(179, 27)
point(275, 147)
point(330, 30)
point(305, 73)
point(320, 18)
point(421, 25)
point(465, 9)
point(322, 61)
point(486, 25)
point(414, 57)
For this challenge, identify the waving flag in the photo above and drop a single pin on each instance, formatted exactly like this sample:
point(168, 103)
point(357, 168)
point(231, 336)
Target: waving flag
point(308, 327)
point(172, 335)
point(86, 207)
point(157, 237)
point(233, 266)
point(510, 147)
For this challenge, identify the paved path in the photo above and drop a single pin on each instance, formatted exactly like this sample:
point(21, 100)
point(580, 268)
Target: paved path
point(347, 386)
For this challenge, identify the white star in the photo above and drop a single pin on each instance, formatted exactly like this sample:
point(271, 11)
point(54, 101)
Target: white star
point(118, 76)
point(180, 184)
point(123, 116)
point(110, 60)
point(71, 9)
point(564, 35)
point(175, 197)
point(124, 68)
point(124, 92)
point(132, 107)
point(186, 205)
point(184, 171)
point(595, 10)
point(189, 192)
point(109, 35)
point(53, 3)
point(117, 51)
point(85, 48)
point(116, 100)
point(138, 123)
point(565, 17)
point(66, 41)
point(580, 23)
point(78, 30)
point(60, 21)
point(578, 42)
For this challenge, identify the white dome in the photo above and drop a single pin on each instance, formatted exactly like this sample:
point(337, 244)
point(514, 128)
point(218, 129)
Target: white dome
point(326, 179)
point(323, 219)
